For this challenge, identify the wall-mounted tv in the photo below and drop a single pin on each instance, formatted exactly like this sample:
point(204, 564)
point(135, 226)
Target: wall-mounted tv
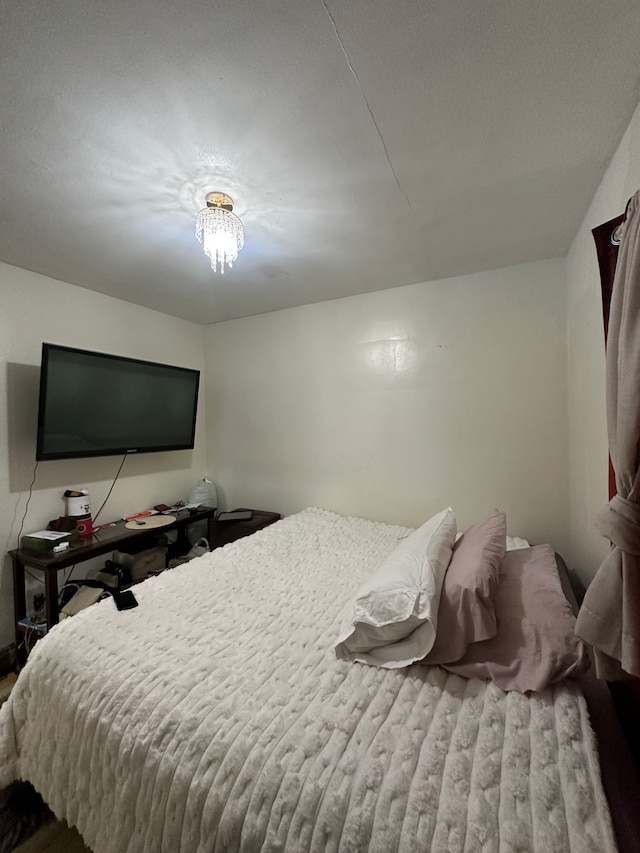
point(94, 404)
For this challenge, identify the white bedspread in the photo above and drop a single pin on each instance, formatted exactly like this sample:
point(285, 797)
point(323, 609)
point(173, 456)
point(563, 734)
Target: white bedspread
point(215, 717)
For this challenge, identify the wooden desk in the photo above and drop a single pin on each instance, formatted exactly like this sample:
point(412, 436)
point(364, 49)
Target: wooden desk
point(101, 542)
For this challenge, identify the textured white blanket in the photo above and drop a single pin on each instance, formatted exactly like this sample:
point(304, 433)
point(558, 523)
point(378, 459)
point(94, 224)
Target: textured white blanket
point(215, 717)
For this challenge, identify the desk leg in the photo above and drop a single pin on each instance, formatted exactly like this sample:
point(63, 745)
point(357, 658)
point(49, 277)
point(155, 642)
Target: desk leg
point(213, 526)
point(19, 597)
point(51, 597)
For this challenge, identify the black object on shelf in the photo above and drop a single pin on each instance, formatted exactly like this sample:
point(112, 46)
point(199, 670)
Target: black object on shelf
point(236, 515)
point(230, 531)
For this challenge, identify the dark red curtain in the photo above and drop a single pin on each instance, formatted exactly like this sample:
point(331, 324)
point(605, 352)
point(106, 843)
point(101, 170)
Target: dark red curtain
point(607, 250)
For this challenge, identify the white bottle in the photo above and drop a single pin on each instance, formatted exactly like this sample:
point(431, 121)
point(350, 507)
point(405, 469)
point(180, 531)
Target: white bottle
point(77, 502)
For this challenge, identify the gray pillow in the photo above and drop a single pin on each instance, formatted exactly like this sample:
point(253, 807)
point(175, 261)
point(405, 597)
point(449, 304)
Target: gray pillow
point(535, 644)
point(466, 612)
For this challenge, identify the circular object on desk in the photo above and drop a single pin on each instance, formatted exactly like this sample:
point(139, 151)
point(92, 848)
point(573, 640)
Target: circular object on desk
point(151, 521)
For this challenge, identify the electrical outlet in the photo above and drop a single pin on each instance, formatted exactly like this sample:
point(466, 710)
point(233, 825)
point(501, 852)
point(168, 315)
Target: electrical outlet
point(38, 601)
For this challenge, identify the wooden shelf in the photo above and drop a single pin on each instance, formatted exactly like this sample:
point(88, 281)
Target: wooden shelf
point(102, 541)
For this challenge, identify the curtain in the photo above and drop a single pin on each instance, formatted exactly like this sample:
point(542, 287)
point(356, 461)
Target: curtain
point(609, 618)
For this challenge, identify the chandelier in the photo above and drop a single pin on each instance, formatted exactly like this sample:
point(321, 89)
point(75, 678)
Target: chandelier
point(220, 231)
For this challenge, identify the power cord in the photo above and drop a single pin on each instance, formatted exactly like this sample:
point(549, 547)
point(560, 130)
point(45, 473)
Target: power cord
point(31, 632)
point(68, 577)
point(26, 509)
point(111, 489)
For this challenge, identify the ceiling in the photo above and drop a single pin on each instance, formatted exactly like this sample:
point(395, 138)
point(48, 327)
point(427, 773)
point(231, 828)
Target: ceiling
point(368, 144)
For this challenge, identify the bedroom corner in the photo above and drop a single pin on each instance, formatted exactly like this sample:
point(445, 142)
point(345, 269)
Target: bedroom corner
point(35, 309)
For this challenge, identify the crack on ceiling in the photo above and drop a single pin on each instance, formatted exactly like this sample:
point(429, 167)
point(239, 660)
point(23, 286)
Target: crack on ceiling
point(364, 97)
point(38, 164)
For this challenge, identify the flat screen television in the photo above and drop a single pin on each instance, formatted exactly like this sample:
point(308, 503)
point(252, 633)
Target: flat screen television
point(94, 404)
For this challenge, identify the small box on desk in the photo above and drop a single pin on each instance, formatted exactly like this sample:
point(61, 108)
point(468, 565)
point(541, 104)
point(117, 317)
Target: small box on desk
point(143, 563)
point(44, 540)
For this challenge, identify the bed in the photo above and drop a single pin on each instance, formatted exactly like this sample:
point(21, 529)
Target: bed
point(215, 716)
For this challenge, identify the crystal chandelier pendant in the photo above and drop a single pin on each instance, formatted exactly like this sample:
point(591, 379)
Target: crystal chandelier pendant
point(220, 231)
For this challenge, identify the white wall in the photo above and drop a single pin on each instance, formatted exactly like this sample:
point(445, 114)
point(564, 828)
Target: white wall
point(586, 359)
point(36, 309)
point(386, 405)
point(394, 404)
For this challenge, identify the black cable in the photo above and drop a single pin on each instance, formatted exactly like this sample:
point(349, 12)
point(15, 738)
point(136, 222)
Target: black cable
point(33, 577)
point(68, 577)
point(26, 510)
point(76, 584)
point(66, 580)
point(111, 489)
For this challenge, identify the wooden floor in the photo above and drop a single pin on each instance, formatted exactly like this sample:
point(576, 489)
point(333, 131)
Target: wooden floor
point(56, 837)
point(6, 684)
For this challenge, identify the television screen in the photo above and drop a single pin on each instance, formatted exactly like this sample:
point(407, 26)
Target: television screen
point(93, 404)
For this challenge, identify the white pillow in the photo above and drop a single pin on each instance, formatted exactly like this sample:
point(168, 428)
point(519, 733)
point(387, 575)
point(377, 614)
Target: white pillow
point(395, 611)
point(514, 543)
